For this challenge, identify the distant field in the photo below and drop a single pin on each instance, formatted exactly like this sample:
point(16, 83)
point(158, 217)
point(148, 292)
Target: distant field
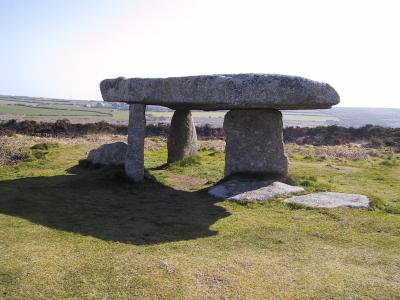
point(50, 108)
point(27, 108)
point(198, 114)
point(79, 111)
point(317, 117)
point(51, 111)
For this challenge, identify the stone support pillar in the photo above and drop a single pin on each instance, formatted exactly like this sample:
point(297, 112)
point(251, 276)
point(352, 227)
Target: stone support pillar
point(254, 142)
point(182, 139)
point(134, 160)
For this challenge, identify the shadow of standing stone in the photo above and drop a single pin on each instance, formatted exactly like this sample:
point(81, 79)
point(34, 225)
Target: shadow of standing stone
point(101, 204)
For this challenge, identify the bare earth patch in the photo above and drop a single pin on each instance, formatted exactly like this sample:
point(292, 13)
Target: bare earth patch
point(210, 283)
point(185, 182)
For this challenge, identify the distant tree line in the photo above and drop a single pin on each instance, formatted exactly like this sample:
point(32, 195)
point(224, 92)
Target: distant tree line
point(373, 136)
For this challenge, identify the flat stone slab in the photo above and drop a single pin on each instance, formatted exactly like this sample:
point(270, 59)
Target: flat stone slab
point(331, 200)
point(243, 191)
point(227, 91)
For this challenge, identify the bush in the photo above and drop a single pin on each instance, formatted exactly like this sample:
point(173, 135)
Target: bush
point(306, 183)
point(44, 146)
point(376, 202)
point(389, 163)
point(188, 161)
point(11, 152)
point(392, 210)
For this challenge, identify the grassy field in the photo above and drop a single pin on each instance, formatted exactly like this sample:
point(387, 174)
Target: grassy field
point(80, 233)
point(50, 108)
point(81, 111)
point(287, 116)
point(53, 109)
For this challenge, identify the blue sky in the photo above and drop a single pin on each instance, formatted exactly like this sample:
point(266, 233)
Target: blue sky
point(63, 49)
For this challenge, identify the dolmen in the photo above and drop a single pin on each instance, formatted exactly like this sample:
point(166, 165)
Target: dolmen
point(253, 125)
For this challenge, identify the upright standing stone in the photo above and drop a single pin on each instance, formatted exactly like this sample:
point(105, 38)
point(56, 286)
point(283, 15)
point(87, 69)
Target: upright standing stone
point(182, 140)
point(254, 142)
point(134, 161)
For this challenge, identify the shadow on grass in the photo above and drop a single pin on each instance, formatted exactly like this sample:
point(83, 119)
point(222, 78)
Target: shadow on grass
point(102, 204)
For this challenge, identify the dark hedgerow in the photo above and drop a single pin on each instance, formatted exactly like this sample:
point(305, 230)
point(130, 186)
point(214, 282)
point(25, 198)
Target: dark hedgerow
point(372, 136)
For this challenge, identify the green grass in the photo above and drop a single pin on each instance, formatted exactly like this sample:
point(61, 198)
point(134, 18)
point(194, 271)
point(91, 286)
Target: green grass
point(53, 110)
point(79, 233)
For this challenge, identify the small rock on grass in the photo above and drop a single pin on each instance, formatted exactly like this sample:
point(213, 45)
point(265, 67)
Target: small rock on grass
point(243, 191)
point(108, 154)
point(330, 200)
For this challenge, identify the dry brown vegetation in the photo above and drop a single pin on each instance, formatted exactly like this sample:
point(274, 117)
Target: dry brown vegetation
point(11, 151)
point(14, 149)
point(372, 136)
point(350, 151)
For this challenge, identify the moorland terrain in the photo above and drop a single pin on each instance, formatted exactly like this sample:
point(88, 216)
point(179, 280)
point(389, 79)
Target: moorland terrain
point(68, 230)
